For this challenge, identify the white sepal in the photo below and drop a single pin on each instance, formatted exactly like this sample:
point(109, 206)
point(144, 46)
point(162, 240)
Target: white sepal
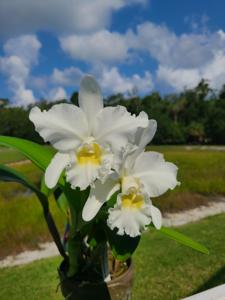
point(55, 168)
point(99, 194)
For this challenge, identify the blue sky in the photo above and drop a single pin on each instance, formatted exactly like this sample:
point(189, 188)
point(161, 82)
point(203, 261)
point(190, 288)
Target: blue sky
point(130, 46)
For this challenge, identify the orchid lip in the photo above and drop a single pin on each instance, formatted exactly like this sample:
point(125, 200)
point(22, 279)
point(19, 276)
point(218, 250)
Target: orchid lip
point(89, 153)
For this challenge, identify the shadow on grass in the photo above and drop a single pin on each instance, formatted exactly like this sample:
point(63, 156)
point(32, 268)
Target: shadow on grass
point(217, 279)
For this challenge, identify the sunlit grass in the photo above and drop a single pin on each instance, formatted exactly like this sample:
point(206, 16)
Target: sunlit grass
point(201, 173)
point(22, 224)
point(9, 155)
point(163, 269)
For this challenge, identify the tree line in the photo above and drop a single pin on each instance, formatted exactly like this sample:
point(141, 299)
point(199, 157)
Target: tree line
point(194, 116)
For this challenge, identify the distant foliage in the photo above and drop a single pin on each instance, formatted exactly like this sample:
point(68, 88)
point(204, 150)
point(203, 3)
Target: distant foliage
point(195, 116)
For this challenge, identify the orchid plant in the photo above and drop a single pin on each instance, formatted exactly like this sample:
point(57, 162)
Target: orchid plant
point(101, 176)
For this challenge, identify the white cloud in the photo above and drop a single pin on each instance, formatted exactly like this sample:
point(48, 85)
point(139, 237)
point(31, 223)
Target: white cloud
point(67, 77)
point(26, 47)
point(101, 46)
point(58, 16)
point(179, 78)
point(214, 71)
point(21, 54)
point(221, 34)
point(184, 51)
point(23, 97)
point(156, 39)
point(57, 93)
point(112, 82)
point(183, 60)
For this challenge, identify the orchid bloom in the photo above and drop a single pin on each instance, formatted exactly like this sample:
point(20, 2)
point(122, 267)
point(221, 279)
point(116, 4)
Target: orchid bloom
point(86, 137)
point(141, 176)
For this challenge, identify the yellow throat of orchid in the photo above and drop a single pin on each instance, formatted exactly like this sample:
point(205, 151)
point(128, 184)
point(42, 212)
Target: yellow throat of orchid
point(89, 154)
point(132, 200)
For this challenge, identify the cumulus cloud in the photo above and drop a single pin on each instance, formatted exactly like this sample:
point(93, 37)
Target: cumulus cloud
point(21, 54)
point(57, 93)
point(112, 82)
point(57, 16)
point(183, 60)
point(214, 71)
point(101, 46)
point(180, 78)
point(110, 79)
point(184, 51)
point(83, 32)
point(67, 77)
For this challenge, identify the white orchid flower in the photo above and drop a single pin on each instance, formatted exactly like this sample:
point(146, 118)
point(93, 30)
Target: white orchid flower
point(86, 137)
point(141, 176)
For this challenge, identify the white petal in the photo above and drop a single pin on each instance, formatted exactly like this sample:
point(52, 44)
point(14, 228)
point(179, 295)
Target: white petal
point(155, 173)
point(145, 135)
point(122, 161)
point(90, 98)
point(99, 194)
point(64, 125)
point(55, 168)
point(128, 221)
point(115, 126)
point(106, 166)
point(156, 217)
point(81, 175)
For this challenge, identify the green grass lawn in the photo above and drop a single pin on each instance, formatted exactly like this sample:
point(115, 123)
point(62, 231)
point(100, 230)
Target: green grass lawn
point(201, 173)
point(164, 270)
point(9, 155)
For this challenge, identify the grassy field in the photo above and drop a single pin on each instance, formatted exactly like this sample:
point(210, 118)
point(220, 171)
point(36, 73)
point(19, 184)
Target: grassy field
point(201, 173)
point(9, 155)
point(163, 269)
point(22, 223)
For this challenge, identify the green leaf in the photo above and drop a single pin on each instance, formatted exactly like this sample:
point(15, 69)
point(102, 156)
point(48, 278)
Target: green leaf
point(11, 175)
point(76, 200)
point(63, 204)
point(183, 239)
point(96, 233)
point(111, 202)
point(74, 250)
point(122, 246)
point(104, 211)
point(38, 154)
point(44, 189)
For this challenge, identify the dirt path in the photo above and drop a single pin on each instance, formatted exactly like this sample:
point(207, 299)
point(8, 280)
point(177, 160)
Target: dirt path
point(195, 214)
point(170, 219)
